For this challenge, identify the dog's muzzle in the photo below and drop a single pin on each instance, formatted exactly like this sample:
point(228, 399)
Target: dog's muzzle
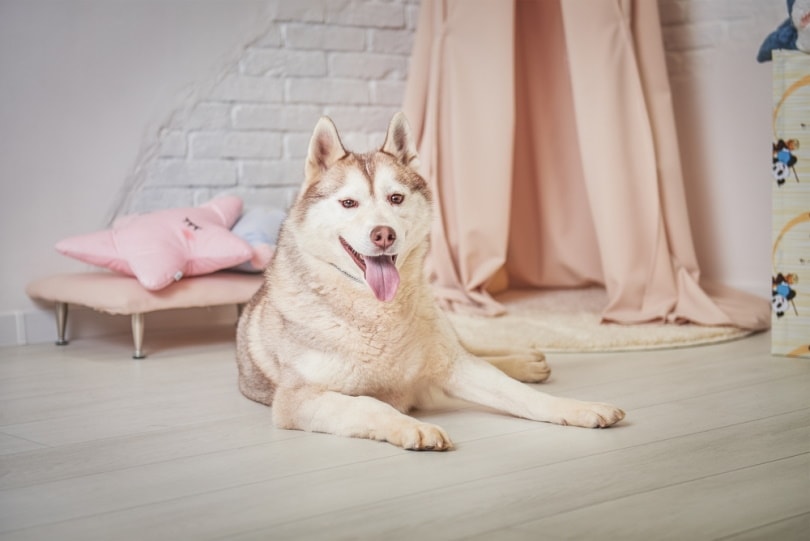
point(380, 272)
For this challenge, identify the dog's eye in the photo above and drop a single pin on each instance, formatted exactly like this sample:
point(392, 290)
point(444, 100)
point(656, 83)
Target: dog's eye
point(396, 198)
point(348, 203)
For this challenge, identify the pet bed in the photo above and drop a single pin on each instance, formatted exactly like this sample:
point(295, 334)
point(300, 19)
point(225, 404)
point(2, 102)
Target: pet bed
point(124, 295)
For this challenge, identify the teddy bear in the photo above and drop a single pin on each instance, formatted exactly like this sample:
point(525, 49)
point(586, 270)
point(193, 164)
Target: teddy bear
point(792, 34)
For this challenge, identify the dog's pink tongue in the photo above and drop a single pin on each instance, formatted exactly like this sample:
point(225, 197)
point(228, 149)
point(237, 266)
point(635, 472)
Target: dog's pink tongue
point(382, 277)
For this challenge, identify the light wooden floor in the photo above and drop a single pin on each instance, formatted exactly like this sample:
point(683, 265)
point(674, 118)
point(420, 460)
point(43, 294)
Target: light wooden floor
point(96, 446)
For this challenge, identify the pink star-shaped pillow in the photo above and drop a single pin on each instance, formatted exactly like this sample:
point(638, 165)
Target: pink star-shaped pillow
point(163, 246)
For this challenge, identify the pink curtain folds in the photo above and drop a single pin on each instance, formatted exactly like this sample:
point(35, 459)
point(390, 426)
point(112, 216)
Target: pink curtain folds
point(546, 130)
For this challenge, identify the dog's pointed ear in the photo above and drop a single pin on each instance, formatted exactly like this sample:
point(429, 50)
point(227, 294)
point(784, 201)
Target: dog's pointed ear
point(399, 141)
point(325, 149)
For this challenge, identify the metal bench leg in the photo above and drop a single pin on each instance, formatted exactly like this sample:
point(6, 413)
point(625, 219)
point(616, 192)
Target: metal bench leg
point(137, 335)
point(61, 323)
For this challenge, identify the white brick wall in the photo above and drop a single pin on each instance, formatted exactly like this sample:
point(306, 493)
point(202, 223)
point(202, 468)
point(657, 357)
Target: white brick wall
point(722, 102)
point(247, 131)
point(695, 31)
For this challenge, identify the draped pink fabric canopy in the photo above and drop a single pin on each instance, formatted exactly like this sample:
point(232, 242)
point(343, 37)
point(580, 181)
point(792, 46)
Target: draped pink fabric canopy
point(546, 130)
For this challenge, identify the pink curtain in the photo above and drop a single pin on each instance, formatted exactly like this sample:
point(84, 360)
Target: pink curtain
point(546, 131)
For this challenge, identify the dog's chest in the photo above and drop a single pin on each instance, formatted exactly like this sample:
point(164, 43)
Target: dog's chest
point(377, 356)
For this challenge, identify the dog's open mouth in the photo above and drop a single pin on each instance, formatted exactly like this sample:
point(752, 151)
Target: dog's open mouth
point(379, 271)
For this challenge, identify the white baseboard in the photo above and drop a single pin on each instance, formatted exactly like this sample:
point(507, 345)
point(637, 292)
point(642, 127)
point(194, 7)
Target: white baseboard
point(11, 332)
point(39, 326)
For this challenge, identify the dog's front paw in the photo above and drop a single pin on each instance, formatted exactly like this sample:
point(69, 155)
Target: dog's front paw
point(589, 414)
point(419, 436)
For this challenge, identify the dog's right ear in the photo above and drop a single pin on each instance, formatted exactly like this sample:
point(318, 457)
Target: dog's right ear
point(325, 149)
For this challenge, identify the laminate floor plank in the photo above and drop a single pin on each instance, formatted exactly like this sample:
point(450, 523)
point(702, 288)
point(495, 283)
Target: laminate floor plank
point(787, 529)
point(505, 499)
point(94, 445)
point(707, 508)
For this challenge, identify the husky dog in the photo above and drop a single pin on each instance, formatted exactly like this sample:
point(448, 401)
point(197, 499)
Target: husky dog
point(345, 336)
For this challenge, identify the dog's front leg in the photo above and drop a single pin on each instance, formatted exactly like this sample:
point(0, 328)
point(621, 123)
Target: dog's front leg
point(477, 381)
point(354, 416)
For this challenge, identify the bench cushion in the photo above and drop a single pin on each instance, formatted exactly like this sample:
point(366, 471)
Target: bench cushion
point(119, 294)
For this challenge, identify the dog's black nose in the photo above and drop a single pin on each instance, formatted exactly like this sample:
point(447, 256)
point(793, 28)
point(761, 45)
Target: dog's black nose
point(383, 236)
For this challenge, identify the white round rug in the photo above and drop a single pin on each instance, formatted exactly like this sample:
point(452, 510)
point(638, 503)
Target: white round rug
point(569, 320)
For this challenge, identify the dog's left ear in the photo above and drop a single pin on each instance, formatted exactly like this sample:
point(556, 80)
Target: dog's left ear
point(399, 141)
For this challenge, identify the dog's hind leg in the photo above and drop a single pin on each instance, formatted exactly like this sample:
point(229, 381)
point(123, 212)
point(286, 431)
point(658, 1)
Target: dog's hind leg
point(253, 383)
point(330, 412)
point(527, 365)
point(521, 366)
point(477, 381)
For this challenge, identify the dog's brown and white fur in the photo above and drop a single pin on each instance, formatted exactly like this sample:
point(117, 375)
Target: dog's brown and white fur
point(345, 337)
